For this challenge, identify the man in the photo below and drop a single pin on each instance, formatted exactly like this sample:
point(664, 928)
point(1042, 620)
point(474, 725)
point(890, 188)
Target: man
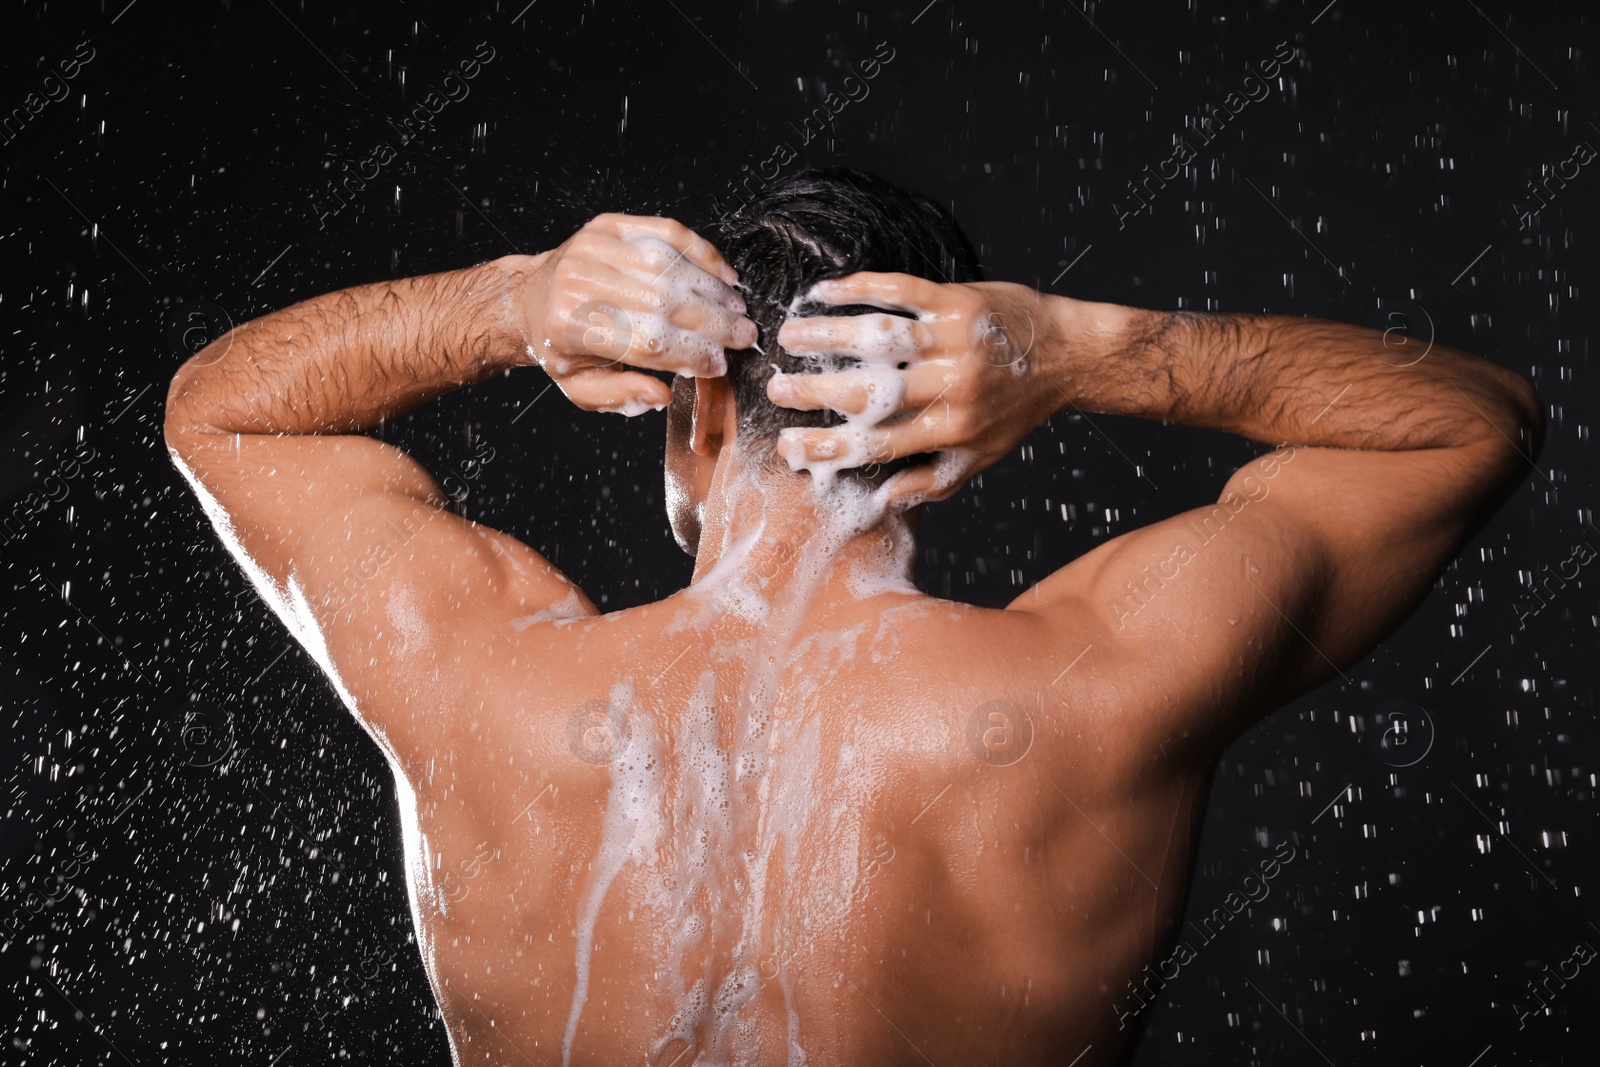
point(800, 812)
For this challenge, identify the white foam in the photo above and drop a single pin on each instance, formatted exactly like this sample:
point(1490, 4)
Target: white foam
point(631, 407)
point(740, 598)
point(408, 619)
point(879, 344)
point(700, 808)
point(631, 832)
point(884, 388)
point(568, 607)
point(727, 586)
point(757, 845)
point(949, 469)
point(884, 340)
point(674, 281)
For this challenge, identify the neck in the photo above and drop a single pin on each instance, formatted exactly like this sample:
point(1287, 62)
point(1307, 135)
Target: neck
point(773, 533)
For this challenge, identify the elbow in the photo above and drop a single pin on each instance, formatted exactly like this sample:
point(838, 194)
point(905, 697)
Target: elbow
point(175, 420)
point(1514, 412)
point(1536, 424)
point(1503, 444)
point(181, 422)
point(192, 395)
point(1519, 424)
point(1523, 421)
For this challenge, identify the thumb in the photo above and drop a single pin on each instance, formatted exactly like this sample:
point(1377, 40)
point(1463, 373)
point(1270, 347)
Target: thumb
point(605, 389)
point(938, 480)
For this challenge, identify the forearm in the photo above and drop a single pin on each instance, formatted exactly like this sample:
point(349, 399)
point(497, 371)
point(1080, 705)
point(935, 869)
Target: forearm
point(348, 360)
point(1280, 379)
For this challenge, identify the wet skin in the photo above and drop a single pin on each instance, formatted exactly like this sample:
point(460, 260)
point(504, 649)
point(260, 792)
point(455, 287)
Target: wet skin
point(866, 823)
point(974, 902)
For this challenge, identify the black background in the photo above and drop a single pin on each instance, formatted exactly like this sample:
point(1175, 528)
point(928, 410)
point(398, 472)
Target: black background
point(241, 897)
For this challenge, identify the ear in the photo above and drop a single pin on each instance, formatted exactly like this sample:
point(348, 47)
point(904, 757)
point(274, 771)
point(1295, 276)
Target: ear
point(712, 419)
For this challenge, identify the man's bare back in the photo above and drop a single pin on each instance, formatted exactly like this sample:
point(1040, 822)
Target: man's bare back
point(801, 812)
point(678, 857)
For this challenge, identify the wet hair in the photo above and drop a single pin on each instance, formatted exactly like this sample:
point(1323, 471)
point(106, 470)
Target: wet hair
point(801, 229)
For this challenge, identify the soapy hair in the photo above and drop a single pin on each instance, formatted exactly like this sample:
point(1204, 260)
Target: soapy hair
point(817, 224)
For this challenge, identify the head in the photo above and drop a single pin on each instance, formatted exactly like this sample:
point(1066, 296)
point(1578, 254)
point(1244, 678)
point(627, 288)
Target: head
point(798, 231)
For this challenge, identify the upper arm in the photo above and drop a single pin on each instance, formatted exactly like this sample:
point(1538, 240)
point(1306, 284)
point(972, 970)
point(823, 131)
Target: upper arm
point(1310, 557)
point(349, 541)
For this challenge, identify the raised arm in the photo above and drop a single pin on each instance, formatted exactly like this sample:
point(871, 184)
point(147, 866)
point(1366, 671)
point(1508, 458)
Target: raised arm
point(1385, 465)
point(334, 527)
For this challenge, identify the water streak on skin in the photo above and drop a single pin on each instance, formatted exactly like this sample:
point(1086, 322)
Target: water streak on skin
point(703, 794)
point(632, 832)
point(568, 607)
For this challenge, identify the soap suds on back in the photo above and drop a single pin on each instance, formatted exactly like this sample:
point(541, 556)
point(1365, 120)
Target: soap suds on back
point(632, 832)
point(741, 812)
point(409, 622)
point(568, 607)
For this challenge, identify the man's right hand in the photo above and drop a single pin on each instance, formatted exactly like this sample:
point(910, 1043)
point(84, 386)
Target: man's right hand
point(628, 291)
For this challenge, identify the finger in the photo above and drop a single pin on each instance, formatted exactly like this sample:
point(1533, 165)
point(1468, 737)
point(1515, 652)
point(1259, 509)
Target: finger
point(631, 292)
point(921, 386)
point(839, 448)
point(933, 481)
point(685, 296)
point(892, 292)
point(725, 324)
point(624, 392)
point(728, 328)
point(873, 393)
point(668, 272)
point(694, 355)
point(657, 344)
point(714, 289)
point(873, 338)
point(695, 248)
point(860, 445)
point(682, 278)
point(908, 488)
point(931, 383)
point(629, 329)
